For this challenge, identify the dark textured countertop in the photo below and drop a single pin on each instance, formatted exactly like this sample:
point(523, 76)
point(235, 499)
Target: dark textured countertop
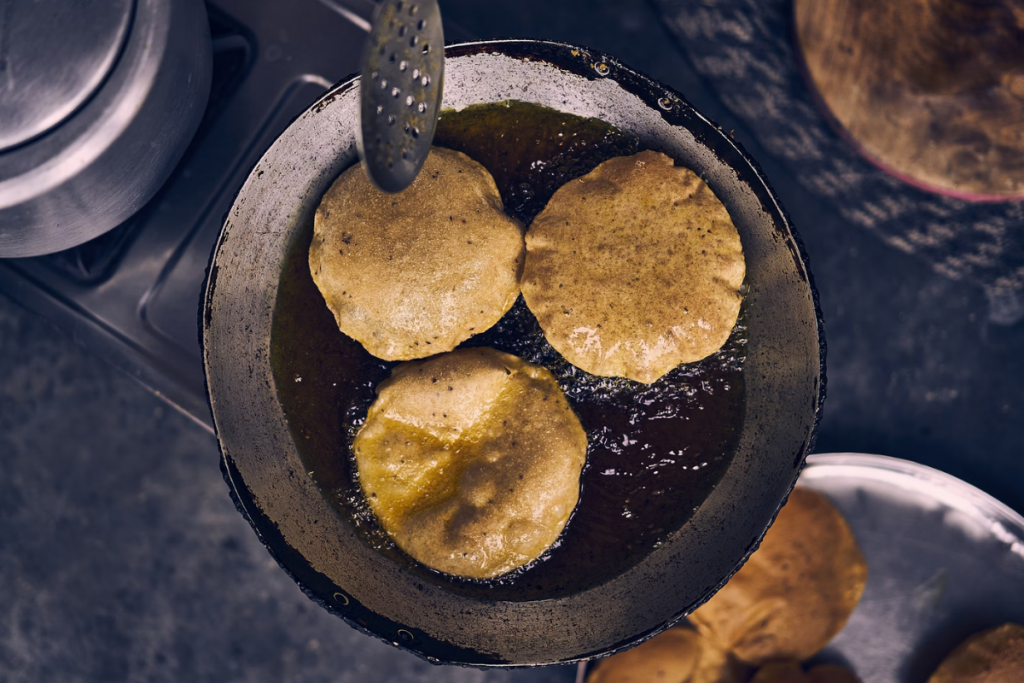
point(122, 558)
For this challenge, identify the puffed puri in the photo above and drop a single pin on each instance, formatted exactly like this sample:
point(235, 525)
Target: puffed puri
point(471, 461)
point(992, 656)
point(414, 274)
point(678, 655)
point(634, 268)
point(797, 590)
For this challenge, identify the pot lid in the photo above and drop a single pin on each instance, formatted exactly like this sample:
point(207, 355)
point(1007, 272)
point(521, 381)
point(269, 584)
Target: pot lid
point(54, 55)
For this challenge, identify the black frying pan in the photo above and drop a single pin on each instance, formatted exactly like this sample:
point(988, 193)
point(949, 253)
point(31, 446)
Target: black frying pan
point(320, 548)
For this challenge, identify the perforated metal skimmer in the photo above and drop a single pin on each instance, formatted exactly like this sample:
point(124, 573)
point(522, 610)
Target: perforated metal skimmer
point(403, 70)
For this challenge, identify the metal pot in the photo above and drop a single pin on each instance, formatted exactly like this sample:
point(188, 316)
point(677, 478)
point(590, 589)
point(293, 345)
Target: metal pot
point(320, 549)
point(98, 102)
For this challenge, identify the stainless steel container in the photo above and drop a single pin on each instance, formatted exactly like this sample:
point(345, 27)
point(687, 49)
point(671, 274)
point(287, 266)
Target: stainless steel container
point(99, 100)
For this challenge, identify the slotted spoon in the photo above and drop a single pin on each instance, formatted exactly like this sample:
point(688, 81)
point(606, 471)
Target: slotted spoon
point(402, 75)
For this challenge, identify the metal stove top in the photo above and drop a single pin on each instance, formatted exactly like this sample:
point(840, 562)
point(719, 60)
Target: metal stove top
point(132, 295)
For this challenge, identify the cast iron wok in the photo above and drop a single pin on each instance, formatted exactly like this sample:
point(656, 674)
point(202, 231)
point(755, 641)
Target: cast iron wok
point(321, 550)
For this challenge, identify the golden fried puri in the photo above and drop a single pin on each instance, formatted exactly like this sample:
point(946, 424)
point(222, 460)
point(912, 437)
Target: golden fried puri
point(471, 461)
point(416, 273)
point(795, 592)
point(715, 664)
point(634, 269)
point(780, 671)
point(993, 656)
point(670, 657)
point(831, 673)
point(677, 655)
point(789, 671)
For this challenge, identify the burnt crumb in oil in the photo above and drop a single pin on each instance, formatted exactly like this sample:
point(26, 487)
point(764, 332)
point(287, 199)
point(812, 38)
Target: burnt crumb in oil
point(655, 451)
